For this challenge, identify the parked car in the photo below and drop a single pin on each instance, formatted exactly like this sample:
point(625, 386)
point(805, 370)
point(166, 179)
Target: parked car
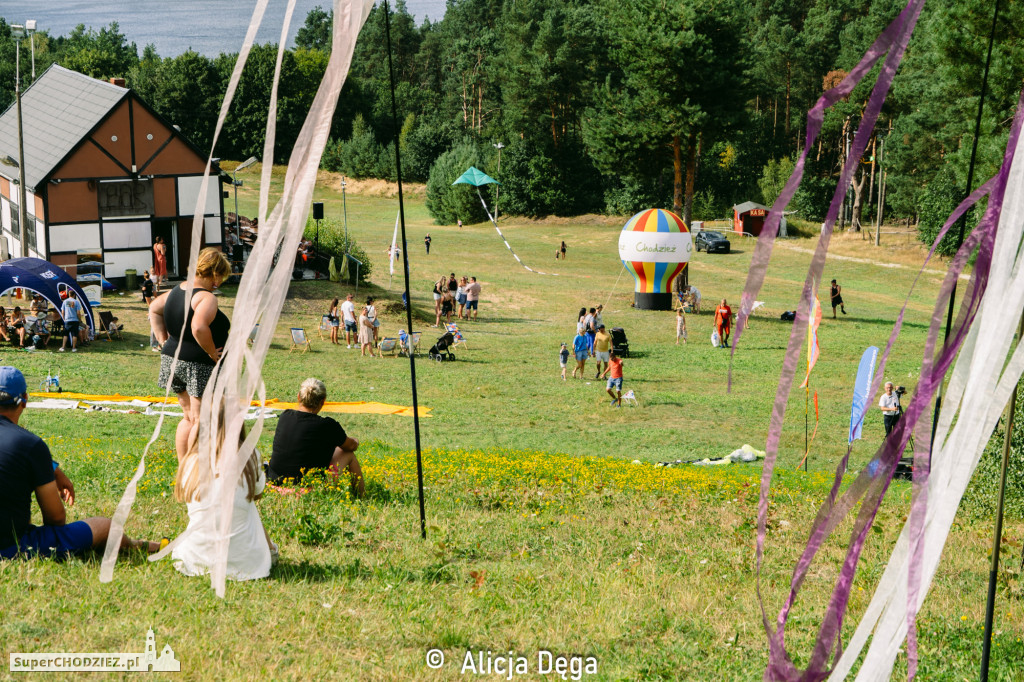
point(711, 241)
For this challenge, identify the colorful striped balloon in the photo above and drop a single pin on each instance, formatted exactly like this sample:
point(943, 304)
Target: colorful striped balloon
point(654, 246)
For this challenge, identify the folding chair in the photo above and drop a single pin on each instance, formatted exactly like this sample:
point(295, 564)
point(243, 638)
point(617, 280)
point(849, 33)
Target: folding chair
point(389, 345)
point(252, 334)
point(299, 339)
point(415, 341)
point(109, 328)
point(325, 326)
point(459, 338)
point(630, 397)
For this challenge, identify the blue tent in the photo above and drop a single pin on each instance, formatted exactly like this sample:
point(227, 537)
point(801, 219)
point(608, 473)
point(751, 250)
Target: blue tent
point(44, 278)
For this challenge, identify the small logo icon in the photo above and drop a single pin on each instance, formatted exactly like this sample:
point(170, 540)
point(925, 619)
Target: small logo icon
point(166, 662)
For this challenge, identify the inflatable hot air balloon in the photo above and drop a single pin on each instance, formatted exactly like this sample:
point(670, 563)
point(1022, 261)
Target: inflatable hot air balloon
point(655, 247)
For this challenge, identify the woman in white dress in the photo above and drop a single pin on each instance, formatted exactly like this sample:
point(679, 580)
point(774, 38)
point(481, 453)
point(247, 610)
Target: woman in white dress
point(365, 336)
point(250, 551)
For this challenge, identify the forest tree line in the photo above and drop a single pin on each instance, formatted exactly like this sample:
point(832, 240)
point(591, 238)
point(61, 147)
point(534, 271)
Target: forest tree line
point(605, 106)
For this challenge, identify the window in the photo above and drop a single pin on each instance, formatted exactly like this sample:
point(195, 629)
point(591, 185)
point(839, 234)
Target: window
point(30, 226)
point(15, 220)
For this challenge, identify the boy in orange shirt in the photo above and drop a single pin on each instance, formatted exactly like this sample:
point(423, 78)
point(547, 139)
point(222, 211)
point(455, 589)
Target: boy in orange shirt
point(615, 379)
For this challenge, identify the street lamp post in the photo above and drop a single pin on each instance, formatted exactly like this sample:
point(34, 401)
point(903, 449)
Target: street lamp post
point(18, 32)
point(235, 183)
point(344, 208)
point(499, 146)
point(30, 27)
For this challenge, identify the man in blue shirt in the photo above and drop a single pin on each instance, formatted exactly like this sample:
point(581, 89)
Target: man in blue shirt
point(70, 311)
point(26, 468)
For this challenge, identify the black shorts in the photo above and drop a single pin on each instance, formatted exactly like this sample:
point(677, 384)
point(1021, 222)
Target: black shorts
point(71, 328)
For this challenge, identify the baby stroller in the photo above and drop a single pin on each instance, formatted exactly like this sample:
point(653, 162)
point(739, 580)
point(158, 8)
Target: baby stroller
point(619, 342)
point(440, 350)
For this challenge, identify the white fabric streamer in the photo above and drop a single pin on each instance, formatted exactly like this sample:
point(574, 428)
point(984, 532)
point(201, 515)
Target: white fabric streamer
point(264, 285)
point(394, 243)
point(981, 384)
point(120, 515)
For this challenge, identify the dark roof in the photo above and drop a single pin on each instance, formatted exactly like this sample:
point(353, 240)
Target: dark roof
point(57, 111)
point(747, 205)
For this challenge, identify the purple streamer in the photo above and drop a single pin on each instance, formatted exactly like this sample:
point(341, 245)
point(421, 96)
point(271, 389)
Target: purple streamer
point(892, 42)
point(873, 482)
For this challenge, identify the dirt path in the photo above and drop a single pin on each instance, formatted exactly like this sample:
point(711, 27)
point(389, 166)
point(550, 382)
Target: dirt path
point(868, 261)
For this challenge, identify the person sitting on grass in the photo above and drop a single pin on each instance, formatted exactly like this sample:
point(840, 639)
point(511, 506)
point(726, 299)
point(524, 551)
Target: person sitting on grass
point(615, 379)
point(26, 468)
point(305, 441)
point(19, 325)
point(40, 332)
point(251, 553)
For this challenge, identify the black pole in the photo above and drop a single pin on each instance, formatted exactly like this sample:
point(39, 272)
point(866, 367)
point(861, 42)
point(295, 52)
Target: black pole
point(807, 447)
point(962, 223)
point(990, 604)
point(405, 263)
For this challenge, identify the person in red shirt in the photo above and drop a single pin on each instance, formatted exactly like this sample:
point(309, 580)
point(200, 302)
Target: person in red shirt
point(615, 379)
point(723, 322)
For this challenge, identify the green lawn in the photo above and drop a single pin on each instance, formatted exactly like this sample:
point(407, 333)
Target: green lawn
point(542, 532)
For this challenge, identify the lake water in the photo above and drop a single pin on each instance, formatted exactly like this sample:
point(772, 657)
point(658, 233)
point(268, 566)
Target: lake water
point(207, 26)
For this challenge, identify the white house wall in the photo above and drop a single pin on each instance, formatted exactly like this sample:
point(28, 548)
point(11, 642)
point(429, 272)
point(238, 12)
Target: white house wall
point(133, 235)
point(84, 236)
point(188, 195)
point(213, 233)
point(119, 261)
point(41, 238)
point(15, 246)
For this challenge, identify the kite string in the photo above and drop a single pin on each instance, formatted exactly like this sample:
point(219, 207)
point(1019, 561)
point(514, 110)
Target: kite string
point(614, 286)
point(511, 250)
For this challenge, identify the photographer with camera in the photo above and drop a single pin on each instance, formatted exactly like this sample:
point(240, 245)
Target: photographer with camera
point(889, 403)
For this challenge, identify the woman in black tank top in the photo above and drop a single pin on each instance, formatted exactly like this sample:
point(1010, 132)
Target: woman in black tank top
point(198, 330)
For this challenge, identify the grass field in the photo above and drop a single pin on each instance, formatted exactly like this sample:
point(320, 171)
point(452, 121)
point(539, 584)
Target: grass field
point(543, 535)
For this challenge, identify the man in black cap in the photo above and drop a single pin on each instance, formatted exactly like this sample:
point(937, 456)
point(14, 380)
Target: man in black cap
point(26, 468)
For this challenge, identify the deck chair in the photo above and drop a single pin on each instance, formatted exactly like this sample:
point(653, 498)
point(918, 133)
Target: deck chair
point(325, 326)
point(630, 397)
point(299, 339)
point(389, 345)
point(112, 330)
point(252, 334)
point(459, 338)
